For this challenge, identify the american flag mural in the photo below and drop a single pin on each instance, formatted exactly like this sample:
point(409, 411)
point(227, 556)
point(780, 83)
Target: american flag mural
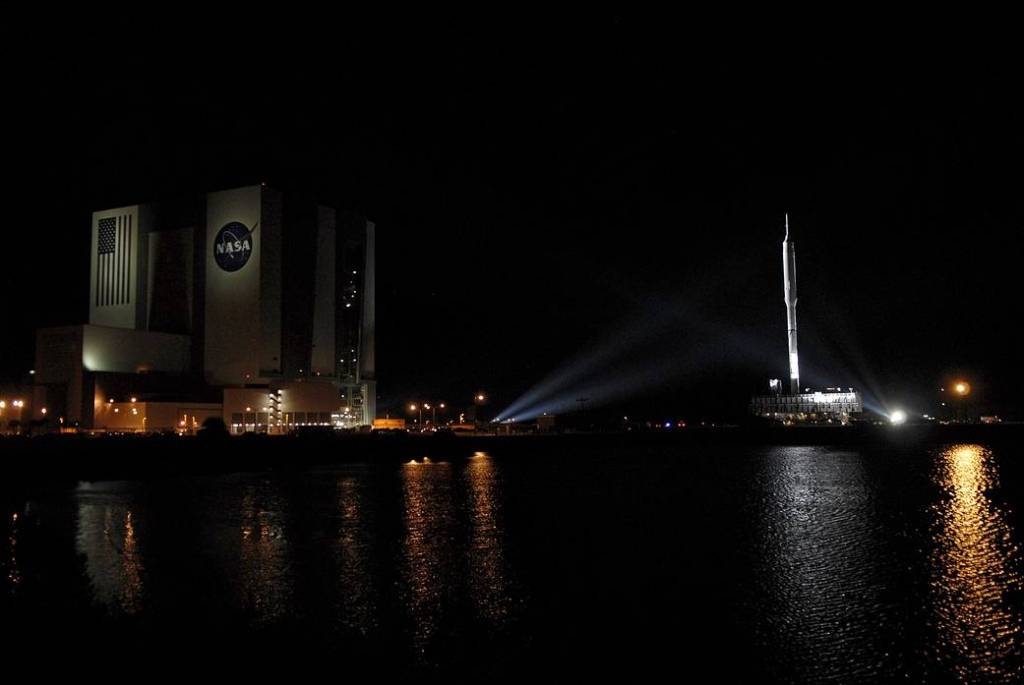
point(113, 261)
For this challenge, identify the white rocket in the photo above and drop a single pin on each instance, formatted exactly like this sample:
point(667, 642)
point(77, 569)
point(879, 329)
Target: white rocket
point(789, 280)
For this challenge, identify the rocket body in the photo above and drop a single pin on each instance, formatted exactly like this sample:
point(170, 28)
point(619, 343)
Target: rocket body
point(789, 287)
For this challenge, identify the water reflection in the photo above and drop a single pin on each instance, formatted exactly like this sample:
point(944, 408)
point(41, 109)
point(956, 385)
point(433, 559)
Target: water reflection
point(818, 572)
point(264, 558)
point(488, 570)
point(107, 538)
point(429, 546)
point(975, 566)
point(358, 603)
point(13, 569)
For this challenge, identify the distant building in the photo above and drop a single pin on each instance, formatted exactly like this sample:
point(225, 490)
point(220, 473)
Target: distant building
point(546, 423)
point(831, 405)
point(388, 424)
point(218, 299)
point(15, 408)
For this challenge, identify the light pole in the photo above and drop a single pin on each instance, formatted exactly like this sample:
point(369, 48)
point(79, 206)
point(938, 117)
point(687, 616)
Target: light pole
point(961, 389)
point(478, 399)
point(432, 408)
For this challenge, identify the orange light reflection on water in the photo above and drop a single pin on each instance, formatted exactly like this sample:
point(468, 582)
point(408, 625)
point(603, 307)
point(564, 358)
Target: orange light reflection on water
point(975, 567)
point(488, 568)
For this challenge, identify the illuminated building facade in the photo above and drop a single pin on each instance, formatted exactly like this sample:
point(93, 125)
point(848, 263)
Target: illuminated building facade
point(194, 299)
point(830, 406)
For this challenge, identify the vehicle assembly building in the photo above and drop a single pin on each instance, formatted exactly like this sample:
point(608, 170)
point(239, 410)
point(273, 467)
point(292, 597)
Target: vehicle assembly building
point(830, 405)
point(248, 304)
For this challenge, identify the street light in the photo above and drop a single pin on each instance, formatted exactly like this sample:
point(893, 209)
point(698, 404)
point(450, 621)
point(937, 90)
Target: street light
point(478, 399)
point(961, 389)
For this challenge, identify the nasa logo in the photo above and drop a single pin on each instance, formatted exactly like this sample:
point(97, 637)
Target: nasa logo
point(233, 246)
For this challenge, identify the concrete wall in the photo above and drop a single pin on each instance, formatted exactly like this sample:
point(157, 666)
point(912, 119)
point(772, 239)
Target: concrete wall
point(127, 351)
point(323, 353)
point(154, 416)
point(368, 334)
point(243, 307)
point(293, 403)
point(170, 281)
point(123, 271)
point(66, 357)
point(248, 410)
point(59, 373)
point(270, 283)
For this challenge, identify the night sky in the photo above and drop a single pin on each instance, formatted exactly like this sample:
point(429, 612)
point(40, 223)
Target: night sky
point(540, 195)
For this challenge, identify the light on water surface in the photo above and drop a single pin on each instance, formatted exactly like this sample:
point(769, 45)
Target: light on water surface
point(975, 568)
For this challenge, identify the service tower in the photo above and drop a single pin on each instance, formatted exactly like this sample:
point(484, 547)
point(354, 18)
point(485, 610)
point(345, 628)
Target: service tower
point(789, 287)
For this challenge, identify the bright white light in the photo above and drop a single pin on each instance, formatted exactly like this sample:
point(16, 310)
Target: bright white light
point(897, 417)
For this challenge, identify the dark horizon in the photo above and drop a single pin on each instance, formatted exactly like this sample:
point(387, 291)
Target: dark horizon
point(537, 202)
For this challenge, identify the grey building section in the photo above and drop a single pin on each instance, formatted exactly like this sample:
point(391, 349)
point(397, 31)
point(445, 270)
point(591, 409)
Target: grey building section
point(324, 303)
point(170, 285)
point(368, 352)
point(270, 283)
point(118, 262)
point(243, 304)
point(356, 325)
point(76, 366)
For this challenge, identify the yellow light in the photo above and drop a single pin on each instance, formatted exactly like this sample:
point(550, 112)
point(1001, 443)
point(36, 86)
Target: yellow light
point(43, 410)
point(962, 388)
point(134, 400)
point(480, 398)
point(3, 405)
point(412, 407)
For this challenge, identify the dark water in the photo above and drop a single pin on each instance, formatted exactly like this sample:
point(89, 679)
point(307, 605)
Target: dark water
point(798, 564)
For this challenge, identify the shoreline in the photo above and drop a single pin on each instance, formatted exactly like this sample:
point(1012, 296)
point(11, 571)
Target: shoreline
point(53, 459)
